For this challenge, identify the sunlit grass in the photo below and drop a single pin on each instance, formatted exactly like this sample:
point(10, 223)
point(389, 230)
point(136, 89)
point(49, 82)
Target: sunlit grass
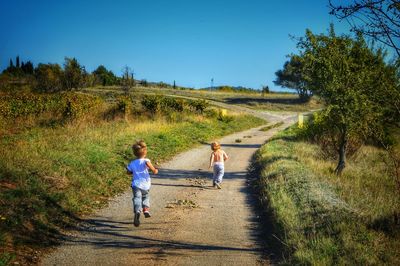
point(325, 219)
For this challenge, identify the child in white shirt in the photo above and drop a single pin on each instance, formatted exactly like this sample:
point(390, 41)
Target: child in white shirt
point(141, 181)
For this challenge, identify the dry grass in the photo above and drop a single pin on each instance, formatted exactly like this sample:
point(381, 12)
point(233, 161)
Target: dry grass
point(325, 219)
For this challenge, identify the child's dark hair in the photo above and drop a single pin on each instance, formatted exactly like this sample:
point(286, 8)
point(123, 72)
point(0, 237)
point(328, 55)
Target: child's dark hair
point(139, 148)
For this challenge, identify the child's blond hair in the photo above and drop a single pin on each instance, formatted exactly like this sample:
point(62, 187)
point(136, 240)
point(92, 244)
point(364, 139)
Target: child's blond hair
point(139, 148)
point(215, 146)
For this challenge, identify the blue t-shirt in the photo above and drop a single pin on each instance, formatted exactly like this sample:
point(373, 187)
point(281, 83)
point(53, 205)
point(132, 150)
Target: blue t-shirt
point(140, 173)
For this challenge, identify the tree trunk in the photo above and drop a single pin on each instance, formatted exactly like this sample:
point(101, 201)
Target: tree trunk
point(342, 154)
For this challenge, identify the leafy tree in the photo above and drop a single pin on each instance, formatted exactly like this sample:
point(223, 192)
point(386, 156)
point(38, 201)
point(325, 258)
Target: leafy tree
point(27, 67)
point(144, 83)
point(104, 77)
point(264, 90)
point(49, 77)
point(74, 74)
point(128, 80)
point(90, 80)
point(379, 19)
point(291, 76)
point(356, 84)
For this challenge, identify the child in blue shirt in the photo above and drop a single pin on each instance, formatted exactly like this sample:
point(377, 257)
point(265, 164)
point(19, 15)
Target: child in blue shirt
point(141, 182)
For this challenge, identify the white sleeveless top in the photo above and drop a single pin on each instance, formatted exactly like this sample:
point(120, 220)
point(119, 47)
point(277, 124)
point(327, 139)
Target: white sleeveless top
point(141, 177)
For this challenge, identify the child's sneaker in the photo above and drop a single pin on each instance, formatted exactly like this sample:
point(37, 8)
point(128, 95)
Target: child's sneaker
point(218, 185)
point(136, 220)
point(146, 212)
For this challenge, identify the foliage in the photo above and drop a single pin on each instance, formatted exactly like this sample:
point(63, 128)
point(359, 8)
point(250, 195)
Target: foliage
point(291, 76)
point(71, 105)
point(198, 105)
point(174, 104)
point(354, 81)
point(316, 130)
point(124, 105)
point(379, 19)
point(151, 103)
point(128, 80)
point(144, 83)
point(78, 105)
point(49, 77)
point(74, 74)
point(20, 69)
point(265, 90)
point(157, 104)
point(104, 77)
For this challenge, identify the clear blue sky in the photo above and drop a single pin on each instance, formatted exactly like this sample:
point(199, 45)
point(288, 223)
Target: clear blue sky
point(237, 42)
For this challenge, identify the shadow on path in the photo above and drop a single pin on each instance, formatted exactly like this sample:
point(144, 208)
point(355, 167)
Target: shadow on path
point(185, 174)
point(103, 233)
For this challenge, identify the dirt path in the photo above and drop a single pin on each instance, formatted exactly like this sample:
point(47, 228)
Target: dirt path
point(192, 223)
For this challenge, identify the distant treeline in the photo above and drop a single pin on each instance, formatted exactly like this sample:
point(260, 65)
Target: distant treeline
point(71, 75)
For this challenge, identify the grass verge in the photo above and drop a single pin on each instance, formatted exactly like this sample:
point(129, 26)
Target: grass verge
point(266, 128)
point(324, 219)
point(49, 176)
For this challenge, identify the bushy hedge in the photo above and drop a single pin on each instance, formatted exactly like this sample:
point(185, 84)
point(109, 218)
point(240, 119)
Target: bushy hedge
point(156, 104)
point(71, 105)
point(198, 105)
point(78, 105)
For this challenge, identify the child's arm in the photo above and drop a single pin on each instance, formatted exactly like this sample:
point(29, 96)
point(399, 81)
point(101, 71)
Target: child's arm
point(128, 172)
point(211, 160)
point(151, 167)
point(226, 157)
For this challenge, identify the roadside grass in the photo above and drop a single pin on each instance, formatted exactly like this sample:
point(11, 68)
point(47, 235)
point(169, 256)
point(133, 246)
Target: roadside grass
point(266, 128)
point(324, 219)
point(49, 176)
point(289, 103)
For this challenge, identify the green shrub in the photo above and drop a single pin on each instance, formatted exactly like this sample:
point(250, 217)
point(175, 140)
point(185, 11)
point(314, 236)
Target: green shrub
point(199, 105)
point(72, 105)
point(23, 104)
point(77, 105)
point(175, 104)
point(225, 118)
point(211, 113)
point(124, 105)
point(151, 103)
point(156, 104)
